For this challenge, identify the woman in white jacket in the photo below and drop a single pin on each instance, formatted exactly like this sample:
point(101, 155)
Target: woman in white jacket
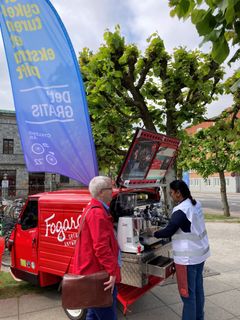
point(190, 248)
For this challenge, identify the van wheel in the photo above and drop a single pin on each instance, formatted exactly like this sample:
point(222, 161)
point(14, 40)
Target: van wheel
point(78, 314)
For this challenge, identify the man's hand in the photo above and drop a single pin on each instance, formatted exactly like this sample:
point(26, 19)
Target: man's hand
point(110, 283)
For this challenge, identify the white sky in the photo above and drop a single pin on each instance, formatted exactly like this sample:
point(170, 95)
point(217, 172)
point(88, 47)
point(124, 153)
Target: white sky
point(86, 22)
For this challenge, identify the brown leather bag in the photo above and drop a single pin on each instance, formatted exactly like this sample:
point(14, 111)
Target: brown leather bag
point(85, 291)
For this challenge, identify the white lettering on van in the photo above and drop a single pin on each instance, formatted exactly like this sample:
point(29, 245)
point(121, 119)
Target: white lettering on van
point(60, 227)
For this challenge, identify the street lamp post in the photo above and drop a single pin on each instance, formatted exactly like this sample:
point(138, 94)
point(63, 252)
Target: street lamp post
point(5, 184)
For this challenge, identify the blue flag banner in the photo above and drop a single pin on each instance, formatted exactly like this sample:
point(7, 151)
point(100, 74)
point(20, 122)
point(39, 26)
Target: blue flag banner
point(49, 97)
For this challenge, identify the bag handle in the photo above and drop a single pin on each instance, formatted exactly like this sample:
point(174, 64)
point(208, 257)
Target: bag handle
point(82, 222)
point(79, 232)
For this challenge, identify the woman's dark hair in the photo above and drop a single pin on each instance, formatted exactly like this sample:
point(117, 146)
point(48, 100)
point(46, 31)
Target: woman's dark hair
point(181, 186)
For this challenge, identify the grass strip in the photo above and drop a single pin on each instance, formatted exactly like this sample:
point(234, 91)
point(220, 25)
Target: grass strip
point(220, 217)
point(10, 288)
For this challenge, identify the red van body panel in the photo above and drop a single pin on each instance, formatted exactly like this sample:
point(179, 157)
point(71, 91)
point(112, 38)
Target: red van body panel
point(58, 226)
point(42, 254)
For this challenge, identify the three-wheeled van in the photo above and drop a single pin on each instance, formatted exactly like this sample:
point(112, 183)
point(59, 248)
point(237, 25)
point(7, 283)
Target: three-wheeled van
point(43, 240)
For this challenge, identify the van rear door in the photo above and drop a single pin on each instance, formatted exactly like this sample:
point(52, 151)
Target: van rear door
point(148, 160)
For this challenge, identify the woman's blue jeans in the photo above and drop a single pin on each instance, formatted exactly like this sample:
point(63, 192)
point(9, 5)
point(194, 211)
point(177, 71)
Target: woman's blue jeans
point(193, 306)
point(109, 313)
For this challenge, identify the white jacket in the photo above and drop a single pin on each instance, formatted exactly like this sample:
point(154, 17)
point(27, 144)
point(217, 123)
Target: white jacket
point(191, 247)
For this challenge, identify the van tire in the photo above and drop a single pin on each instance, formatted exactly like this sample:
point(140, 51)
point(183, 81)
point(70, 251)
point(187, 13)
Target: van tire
point(79, 314)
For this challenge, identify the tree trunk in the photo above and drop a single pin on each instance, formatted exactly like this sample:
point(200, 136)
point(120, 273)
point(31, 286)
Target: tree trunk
point(171, 127)
point(143, 111)
point(179, 172)
point(140, 103)
point(223, 191)
point(170, 176)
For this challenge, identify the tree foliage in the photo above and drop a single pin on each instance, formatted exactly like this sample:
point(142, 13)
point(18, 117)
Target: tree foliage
point(217, 21)
point(232, 86)
point(127, 88)
point(214, 150)
point(234, 115)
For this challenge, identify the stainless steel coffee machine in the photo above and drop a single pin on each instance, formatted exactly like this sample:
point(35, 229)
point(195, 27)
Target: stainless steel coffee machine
point(128, 234)
point(134, 228)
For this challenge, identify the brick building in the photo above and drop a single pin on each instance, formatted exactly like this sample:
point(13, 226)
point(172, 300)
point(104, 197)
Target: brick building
point(15, 180)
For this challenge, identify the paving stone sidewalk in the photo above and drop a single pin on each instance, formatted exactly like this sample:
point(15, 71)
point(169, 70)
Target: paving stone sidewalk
point(222, 289)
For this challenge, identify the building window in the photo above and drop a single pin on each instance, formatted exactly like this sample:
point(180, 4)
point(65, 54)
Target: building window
point(64, 179)
point(29, 218)
point(36, 182)
point(7, 146)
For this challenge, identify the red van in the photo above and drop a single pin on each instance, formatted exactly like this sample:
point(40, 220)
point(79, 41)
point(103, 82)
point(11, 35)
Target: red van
point(43, 240)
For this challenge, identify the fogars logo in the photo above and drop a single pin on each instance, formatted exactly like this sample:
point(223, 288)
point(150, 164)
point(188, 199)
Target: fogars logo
point(60, 227)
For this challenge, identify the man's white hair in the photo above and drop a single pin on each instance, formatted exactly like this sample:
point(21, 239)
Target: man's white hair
point(97, 184)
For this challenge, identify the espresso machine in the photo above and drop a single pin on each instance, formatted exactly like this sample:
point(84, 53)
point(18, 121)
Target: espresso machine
point(128, 234)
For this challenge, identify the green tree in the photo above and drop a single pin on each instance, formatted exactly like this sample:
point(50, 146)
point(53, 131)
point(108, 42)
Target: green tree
point(217, 21)
point(214, 150)
point(231, 86)
point(127, 88)
point(234, 115)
